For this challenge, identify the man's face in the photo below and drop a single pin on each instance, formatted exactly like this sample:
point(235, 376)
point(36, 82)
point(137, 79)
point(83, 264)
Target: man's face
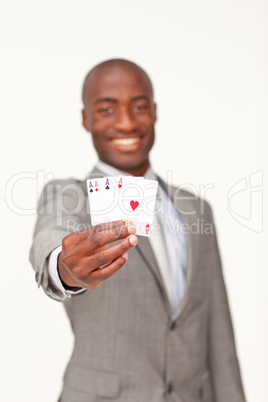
point(120, 114)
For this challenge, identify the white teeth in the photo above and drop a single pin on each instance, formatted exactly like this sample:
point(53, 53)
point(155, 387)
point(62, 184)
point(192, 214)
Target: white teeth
point(126, 141)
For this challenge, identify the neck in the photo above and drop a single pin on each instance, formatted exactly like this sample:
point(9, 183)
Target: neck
point(138, 171)
point(135, 171)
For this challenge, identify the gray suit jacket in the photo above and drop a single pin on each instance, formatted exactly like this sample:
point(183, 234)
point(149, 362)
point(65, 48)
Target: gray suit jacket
point(129, 347)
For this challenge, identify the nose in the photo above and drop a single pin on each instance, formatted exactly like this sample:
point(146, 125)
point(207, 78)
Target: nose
point(125, 121)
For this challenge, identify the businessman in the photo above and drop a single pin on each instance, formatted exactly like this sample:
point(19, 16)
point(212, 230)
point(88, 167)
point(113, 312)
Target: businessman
point(150, 316)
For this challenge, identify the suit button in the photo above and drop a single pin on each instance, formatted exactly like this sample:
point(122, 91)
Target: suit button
point(172, 326)
point(169, 388)
point(36, 276)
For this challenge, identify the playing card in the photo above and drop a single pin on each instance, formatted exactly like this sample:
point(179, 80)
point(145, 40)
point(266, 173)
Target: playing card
point(102, 198)
point(137, 203)
point(123, 197)
point(95, 196)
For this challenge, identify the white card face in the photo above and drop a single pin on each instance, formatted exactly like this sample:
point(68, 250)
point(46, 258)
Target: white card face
point(123, 197)
point(95, 196)
point(109, 197)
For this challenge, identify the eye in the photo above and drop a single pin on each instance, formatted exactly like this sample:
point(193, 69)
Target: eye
point(105, 110)
point(140, 107)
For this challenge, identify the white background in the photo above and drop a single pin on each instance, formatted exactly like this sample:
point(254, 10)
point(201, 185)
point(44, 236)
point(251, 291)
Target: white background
point(208, 62)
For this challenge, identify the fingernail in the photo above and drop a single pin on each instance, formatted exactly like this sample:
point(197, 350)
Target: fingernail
point(133, 240)
point(131, 229)
point(125, 256)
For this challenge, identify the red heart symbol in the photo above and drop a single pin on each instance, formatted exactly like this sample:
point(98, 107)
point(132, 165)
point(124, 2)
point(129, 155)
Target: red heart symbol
point(134, 205)
point(119, 185)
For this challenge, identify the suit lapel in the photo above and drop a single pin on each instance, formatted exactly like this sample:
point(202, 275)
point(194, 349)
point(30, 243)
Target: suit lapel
point(183, 204)
point(146, 252)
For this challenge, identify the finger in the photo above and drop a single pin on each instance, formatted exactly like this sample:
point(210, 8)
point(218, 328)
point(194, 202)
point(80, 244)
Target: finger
point(99, 275)
point(95, 240)
point(81, 235)
point(110, 225)
point(105, 256)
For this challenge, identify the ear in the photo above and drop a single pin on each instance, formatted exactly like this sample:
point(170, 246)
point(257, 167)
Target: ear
point(85, 121)
point(155, 113)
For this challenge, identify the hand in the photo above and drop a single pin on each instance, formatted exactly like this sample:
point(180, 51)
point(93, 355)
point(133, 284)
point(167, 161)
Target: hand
point(85, 251)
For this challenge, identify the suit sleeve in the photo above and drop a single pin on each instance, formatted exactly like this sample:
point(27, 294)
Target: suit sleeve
point(223, 362)
point(60, 210)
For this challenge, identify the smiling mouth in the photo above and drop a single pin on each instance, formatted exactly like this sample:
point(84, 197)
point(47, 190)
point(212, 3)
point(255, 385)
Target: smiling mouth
point(126, 141)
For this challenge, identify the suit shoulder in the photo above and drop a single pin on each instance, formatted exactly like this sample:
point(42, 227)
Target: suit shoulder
point(63, 185)
point(67, 188)
point(64, 182)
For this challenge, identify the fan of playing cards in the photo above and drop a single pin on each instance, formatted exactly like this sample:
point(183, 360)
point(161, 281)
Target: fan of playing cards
point(123, 197)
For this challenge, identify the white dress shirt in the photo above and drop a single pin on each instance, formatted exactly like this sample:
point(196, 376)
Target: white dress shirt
point(166, 239)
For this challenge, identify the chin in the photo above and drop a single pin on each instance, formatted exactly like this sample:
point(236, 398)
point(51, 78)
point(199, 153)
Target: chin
point(129, 166)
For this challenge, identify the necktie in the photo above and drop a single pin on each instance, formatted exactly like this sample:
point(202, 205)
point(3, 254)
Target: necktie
point(170, 222)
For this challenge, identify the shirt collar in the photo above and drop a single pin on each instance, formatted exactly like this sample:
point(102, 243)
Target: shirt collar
point(112, 171)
